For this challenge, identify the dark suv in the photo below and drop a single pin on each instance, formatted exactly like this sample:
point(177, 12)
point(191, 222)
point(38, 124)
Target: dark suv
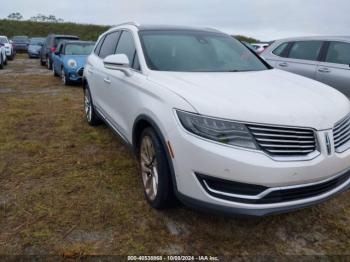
point(50, 46)
point(20, 43)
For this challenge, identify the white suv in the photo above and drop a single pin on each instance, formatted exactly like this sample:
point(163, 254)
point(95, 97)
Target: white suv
point(215, 126)
point(8, 47)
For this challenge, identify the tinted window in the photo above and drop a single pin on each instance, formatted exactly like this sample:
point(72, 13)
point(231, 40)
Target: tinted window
point(79, 49)
point(58, 40)
point(3, 40)
point(197, 51)
point(338, 53)
point(109, 44)
point(37, 41)
point(98, 47)
point(126, 46)
point(305, 50)
point(280, 49)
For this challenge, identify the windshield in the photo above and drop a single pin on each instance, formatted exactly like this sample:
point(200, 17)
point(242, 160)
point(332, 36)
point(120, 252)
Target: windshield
point(20, 39)
point(79, 49)
point(37, 41)
point(3, 40)
point(197, 51)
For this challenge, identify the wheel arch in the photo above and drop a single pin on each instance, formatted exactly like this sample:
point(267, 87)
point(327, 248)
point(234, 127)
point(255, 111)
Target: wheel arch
point(143, 121)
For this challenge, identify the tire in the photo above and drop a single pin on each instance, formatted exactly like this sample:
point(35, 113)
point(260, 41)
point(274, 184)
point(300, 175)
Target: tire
point(42, 62)
point(49, 64)
point(54, 72)
point(64, 79)
point(1, 63)
point(155, 171)
point(5, 62)
point(90, 113)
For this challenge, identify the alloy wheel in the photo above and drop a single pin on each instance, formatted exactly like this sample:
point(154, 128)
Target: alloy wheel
point(149, 167)
point(88, 105)
point(63, 77)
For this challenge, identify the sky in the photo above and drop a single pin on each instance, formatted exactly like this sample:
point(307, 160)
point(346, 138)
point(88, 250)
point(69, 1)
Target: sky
point(262, 19)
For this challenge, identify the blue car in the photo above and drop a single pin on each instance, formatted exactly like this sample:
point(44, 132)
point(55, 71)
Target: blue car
point(69, 60)
point(34, 47)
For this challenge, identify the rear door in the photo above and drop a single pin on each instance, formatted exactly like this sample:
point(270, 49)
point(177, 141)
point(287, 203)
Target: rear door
point(302, 58)
point(334, 69)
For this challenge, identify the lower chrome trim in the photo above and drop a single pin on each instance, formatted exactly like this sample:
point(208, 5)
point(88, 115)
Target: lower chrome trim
point(270, 190)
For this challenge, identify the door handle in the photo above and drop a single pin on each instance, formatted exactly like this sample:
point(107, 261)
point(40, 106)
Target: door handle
point(324, 70)
point(283, 65)
point(106, 80)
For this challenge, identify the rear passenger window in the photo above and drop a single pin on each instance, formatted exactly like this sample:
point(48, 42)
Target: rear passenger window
point(338, 53)
point(280, 49)
point(98, 46)
point(126, 46)
point(305, 50)
point(109, 44)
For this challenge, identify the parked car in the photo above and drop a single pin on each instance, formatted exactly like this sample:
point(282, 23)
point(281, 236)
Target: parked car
point(3, 58)
point(325, 59)
point(20, 43)
point(260, 47)
point(249, 46)
point(35, 45)
point(8, 47)
point(69, 60)
point(50, 46)
point(214, 125)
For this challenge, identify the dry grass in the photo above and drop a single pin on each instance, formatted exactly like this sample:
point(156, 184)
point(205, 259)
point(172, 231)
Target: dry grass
point(69, 189)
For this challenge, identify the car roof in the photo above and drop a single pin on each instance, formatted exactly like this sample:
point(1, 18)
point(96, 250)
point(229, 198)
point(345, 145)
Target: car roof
point(151, 27)
point(62, 36)
point(322, 38)
point(77, 42)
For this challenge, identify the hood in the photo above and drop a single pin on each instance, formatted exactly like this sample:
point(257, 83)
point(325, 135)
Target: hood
point(267, 97)
point(80, 59)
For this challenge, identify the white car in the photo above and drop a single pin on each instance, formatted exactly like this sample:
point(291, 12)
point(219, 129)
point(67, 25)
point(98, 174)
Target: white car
point(260, 47)
point(215, 126)
point(8, 47)
point(3, 57)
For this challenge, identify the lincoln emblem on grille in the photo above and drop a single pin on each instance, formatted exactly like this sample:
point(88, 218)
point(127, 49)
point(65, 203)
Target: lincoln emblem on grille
point(328, 144)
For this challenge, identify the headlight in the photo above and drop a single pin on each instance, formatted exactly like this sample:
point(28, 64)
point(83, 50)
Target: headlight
point(226, 132)
point(72, 63)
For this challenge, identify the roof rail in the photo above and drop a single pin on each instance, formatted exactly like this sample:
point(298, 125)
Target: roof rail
point(129, 23)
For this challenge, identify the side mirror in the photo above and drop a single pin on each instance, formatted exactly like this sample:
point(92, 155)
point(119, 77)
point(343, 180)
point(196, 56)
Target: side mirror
point(118, 62)
point(1, 44)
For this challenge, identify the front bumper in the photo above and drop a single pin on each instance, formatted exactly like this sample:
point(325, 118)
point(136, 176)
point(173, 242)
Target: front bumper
point(76, 75)
point(250, 167)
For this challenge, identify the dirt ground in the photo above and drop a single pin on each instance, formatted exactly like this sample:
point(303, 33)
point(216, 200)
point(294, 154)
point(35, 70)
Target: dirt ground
point(70, 189)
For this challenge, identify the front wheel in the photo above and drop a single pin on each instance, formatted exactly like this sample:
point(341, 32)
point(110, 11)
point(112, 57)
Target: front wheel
point(155, 171)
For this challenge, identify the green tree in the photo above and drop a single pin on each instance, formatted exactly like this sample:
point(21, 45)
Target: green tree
point(15, 16)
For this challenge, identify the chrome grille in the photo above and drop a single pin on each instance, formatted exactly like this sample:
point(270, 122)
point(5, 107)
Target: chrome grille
point(341, 134)
point(284, 141)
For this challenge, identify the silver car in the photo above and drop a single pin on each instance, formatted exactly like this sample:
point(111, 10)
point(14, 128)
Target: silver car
point(326, 59)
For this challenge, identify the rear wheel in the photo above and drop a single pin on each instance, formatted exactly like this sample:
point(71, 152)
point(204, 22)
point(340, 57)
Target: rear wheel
point(54, 71)
point(90, 113)
point(155, 171)
point(1, 62)
point(42, 62)
point(49, 63)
